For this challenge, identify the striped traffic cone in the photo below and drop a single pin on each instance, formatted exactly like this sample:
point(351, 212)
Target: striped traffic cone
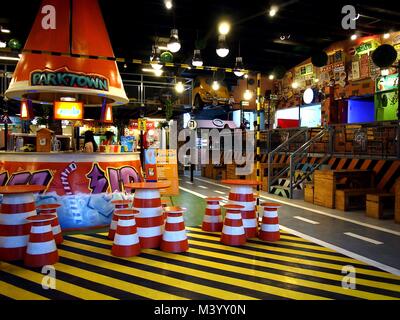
point(41, 250)
point(269, 230)
point(51, 209)
point(119, 205)
point(243, 195)
point(212, 220)
point(150, 220)
point(14, 228)
point(233, 232)
point(126, 240)
point(174, 238)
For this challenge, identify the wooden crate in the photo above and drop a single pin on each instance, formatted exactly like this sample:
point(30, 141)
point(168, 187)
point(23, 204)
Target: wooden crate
point(309, 192)
point(377, 203)
point(324, 189)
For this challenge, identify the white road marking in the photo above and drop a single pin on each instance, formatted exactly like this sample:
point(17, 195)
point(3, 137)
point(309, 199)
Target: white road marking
point(306, 220)
point(213, 183)
point(350, 254)
point(202, 187)
point(188, 182)
point(220, 192)
point(350, 234)
point(345, 252)
point(193, 192)
point(396, 233)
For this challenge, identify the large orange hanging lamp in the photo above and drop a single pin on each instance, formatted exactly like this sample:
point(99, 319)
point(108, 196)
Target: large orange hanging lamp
point(72, 27)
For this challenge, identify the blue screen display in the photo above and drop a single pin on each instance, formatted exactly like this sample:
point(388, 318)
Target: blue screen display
point(361, 111)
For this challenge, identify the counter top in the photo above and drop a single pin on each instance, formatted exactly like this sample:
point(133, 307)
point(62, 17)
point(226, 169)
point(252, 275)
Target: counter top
point(67, 152)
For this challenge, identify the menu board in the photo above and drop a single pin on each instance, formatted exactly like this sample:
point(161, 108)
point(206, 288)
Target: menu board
point(355, 70)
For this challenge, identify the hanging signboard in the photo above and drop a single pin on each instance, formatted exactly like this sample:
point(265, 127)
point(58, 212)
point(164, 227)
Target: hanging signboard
point(364, 66)
point(355, 70)
point(68, 110)
point(366, 47)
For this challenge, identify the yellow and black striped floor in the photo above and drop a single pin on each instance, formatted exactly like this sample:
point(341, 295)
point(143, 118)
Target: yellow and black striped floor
point(292, 268)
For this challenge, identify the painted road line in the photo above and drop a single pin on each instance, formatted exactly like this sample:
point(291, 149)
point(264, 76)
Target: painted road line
point(348, 253)
point(350, 234)
point(188, 182)
point(193, 192)
point(213, 183)
point(333, 216)
point(328, 245)
point(203, 187)
point(219, 192)
point(306, 220)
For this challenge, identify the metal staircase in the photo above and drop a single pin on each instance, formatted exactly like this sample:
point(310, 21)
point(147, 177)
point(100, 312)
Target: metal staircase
point(289, 181)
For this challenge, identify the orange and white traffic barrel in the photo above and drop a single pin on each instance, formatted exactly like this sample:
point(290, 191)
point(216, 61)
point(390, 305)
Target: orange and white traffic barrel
point(119, 205)
point(269, 230)
point(126, 240)
point(233, 232)
point(18, 204)
point(41, 249)
point(212, 220)
point(243, 195)
point(174, 237)
point(51, 209)
point(150, 219)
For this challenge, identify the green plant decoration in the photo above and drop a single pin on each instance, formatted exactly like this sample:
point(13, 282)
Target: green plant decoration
point(14, 44)
point(169, 104)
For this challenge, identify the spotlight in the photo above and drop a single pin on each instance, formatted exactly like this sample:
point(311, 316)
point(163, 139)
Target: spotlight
point(386, 36)
point(248, 95)
point(384, 72)
point(316, 80)
point(3, 44)
point(353, 37)
point(125, 66)
point(222, 48)
point(4, 30)
point(215, 85)
point(246, 76)
point(238, 67)
point(197, 61)
point(179, 87)
point(174, 44)
point(271, 77)
point(224, 27)
point(168, 4)
point(273, 10)
point(295, 85)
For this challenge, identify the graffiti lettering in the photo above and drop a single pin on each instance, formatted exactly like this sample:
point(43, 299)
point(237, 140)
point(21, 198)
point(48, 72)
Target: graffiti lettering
point(98, 181)
point(120, 177)
point(3, 178)
point(42, 178)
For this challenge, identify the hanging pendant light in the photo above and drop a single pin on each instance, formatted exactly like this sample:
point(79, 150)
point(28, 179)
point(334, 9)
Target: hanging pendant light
point(197, 61)
point(238, 71)
point(174, 44)
point(155, 60)
point(222, 48)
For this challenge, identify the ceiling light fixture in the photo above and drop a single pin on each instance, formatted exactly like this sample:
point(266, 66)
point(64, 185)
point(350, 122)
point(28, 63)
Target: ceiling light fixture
point(4, 30)
point(197, 61)
point(271, 77)
point(238, 71)
point(3, 44)
point(246, 76)
point(353, 37)
point(295, 85)
point(215, 85)
point(384, 72)
point(248, 95)
point(386, 36)
point(179, 87)
point(224, 27)
point(273, 11)
point(174, 44)
point(222, 48)
point(155, 60)
point(9, 58)
point(157, 73)
point(68, 99)
point(168, 4)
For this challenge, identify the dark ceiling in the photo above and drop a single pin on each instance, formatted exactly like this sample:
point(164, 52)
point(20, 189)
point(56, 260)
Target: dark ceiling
point(312, 25)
